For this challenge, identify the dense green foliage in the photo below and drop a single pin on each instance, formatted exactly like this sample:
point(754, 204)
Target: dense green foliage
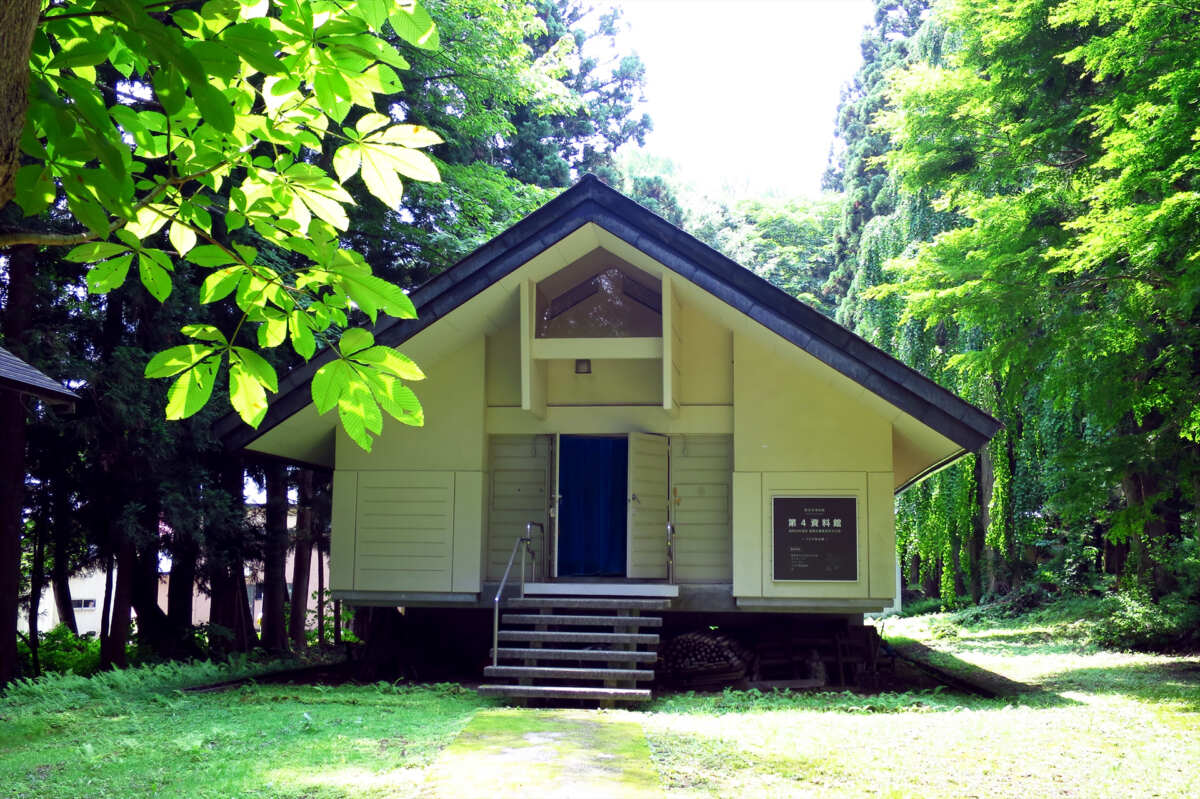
point(193, 122)
point(1020, 188)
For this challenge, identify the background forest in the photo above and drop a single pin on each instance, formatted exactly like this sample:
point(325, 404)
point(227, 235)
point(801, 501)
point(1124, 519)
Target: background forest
point(1011, 209)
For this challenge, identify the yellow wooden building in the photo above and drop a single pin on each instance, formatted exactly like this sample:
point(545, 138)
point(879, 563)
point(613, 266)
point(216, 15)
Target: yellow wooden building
point(675, 428)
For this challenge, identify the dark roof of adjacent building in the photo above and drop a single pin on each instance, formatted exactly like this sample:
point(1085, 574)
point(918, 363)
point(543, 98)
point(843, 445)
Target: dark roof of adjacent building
point(16, 375)
point(590, 200)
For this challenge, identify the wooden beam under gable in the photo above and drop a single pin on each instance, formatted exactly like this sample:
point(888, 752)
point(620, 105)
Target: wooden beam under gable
point(533, 372)
point(672, 348)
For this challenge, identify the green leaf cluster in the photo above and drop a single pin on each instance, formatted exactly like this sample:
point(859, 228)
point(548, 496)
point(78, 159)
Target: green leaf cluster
point(210, 122)
point(1033, 244)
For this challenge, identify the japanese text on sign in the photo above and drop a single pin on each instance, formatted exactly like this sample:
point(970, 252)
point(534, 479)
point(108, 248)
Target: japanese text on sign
point(815, 538)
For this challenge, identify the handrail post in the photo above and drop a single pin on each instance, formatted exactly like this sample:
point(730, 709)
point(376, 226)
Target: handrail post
point(522, 545)
point(670, 553)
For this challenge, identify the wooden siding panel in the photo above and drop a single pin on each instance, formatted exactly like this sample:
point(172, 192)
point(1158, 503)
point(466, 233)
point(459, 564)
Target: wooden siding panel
point(405, 531)
point(647, 529)
point(701, 478)
point(519, 469)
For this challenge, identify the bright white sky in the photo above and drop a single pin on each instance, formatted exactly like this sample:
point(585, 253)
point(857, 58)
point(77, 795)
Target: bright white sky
point(743, 93)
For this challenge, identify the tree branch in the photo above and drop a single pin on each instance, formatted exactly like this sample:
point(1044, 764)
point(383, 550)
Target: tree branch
point(43, 239)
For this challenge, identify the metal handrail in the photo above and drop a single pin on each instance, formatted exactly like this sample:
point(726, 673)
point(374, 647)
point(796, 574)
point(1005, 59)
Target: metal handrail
point(670, 553)
point(524, 540)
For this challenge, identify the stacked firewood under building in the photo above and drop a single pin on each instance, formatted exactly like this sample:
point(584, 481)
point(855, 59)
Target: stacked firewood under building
point(712, 660)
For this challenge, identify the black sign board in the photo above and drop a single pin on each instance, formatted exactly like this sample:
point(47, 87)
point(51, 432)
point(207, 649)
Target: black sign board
point(816, 538)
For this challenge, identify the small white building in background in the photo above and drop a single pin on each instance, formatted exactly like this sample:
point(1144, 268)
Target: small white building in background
point(87, 595)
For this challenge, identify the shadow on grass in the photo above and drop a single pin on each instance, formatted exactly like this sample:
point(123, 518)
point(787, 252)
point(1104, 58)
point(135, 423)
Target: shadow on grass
point(716, 765)
point(959, 675)
point(1176, 682)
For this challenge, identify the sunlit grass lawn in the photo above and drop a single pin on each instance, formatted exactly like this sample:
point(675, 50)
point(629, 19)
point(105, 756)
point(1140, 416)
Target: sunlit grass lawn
point(251, 741)
point(1097, 724)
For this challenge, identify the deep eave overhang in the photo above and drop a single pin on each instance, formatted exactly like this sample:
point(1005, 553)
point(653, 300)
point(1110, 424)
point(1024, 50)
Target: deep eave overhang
point(16, 375)
point(590, 201)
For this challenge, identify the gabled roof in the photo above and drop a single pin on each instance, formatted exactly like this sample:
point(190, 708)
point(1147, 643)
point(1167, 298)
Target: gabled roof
point(16, 375)
point(590, 201)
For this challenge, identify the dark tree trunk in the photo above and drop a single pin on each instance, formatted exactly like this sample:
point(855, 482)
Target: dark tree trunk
point(18, 21)
point(17, 316)
point(274, 628)
point(37, 574)
point(106, 604)
point(302, 563)
point(60, 572)
point(12, 492)
point(978, 532)
point(337, 622)
point(113, 655)
point(156, 629)
point(239, 619)
point(181, 585)
point(321, 592)
point(1163, 525)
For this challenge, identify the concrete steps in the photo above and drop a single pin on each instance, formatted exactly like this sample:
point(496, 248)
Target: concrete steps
point(567, 673)
point(588, 603)
point(581, 620)
point(581, 655)
point(557, 636)
point(566, 692)
point(575, 648)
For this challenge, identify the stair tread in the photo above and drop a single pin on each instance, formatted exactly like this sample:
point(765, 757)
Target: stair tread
point(588, 603)
point(567, 673)
point(582, 638)
point(567, 620)
point(565, 692)
point(612, 656)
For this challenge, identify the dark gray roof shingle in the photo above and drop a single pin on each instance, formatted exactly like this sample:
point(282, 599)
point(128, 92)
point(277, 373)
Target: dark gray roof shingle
point(16, 375)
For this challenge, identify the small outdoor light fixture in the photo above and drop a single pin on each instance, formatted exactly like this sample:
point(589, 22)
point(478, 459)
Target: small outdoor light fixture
point(583, 366)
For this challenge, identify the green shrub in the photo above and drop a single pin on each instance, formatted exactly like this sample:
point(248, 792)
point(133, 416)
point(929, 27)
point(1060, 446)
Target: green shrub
point(921, 607)
point(1131, 619)
point(61, 651)
point(107, 690)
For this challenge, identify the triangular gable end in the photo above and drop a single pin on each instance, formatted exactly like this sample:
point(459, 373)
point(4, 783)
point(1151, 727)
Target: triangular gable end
point(931, 426)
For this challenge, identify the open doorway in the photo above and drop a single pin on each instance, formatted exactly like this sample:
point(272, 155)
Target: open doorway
point(593, 476)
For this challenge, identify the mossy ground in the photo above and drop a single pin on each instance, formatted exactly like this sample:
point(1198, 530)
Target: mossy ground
point(547, 754)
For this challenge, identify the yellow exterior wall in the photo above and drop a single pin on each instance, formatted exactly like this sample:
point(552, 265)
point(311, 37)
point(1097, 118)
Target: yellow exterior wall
point(452, 438)
point(344, 530)
point(787, 418)
point(706, 362)
point(796, 435)
point(503, 366)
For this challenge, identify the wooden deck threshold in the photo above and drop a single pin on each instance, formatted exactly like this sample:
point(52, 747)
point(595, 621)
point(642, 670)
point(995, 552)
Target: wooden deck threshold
point(602, 589)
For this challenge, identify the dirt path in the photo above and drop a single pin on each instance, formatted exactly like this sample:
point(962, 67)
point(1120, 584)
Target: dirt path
point(549, 754)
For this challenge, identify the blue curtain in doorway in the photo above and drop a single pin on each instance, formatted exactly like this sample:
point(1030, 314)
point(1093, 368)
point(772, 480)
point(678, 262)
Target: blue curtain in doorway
point(592, 477)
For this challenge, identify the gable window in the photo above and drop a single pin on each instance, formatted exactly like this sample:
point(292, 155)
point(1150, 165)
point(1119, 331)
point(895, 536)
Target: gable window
point(606, 300)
